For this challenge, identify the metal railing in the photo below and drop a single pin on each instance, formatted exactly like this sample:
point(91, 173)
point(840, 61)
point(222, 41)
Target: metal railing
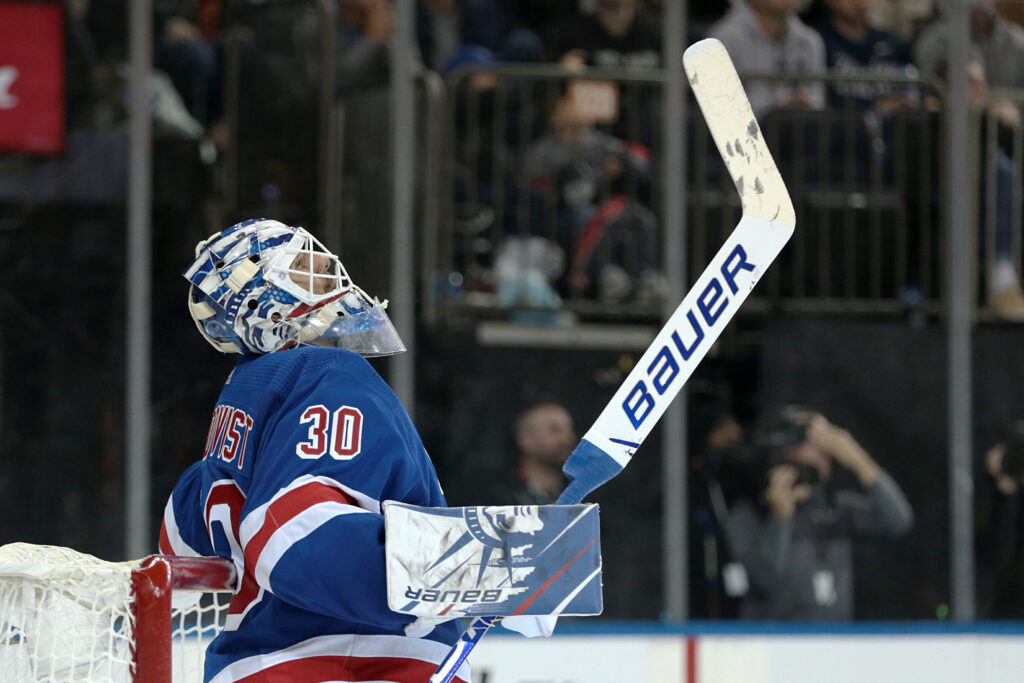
point(866, 187)
point(304, 148)
point(999, 153)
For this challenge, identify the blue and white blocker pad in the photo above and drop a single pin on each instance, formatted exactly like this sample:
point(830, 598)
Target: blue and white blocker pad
point(499, 560)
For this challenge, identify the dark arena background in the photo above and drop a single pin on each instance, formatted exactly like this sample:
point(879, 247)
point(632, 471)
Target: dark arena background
point(532, 186)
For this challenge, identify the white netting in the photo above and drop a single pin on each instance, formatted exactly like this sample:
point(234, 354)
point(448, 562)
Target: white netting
point(66, 616)
point(194, 623)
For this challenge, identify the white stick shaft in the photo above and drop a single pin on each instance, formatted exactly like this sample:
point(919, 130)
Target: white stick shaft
point(767, 224)
point(684, 341)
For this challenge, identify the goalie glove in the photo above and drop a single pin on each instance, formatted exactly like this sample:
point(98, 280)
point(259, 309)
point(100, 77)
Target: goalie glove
point(496, 561)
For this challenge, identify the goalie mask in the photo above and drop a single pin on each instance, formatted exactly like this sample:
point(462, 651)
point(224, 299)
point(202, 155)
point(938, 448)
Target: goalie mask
point(262, 286)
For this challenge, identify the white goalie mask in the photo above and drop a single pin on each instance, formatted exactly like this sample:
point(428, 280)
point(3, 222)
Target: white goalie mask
point(261, 286)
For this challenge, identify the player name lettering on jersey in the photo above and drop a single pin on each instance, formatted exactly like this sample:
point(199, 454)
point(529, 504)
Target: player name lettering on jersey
point(663, 370)
point(229, 432)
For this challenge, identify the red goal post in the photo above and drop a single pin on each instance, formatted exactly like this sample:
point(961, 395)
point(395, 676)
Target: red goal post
point(65, 615)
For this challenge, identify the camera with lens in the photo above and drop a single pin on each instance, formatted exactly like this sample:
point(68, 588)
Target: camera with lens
point(744, 468)
point(773, 439)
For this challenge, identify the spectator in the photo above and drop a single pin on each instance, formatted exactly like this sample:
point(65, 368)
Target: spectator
point(767, 35)
point(1004, 293)
point(610, 234)
point(544, 438)
point(186, 79)
point(446, 27)
point(854, 47)
point(1003, 550)
point(796, 544)
point(617, 34)
point(997, 59)
point(193, 63)
point(905, 18)
point(995, 42)
point(361, 49)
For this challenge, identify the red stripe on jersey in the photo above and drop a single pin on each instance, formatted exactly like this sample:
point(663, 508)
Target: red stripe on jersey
point(165, 540)
point(285, 508)
point(314, 669)
point(226, 493)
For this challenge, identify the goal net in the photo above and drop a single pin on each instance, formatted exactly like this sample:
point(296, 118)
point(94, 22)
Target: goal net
point(68, 616)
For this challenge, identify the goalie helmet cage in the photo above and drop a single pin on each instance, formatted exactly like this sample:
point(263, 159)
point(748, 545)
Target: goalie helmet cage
point(68, 616)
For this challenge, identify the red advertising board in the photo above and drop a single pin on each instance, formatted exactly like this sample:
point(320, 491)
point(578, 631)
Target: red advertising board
point(31, 78)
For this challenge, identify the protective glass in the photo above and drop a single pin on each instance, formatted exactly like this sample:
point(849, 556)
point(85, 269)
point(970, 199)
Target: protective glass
point(352, 322)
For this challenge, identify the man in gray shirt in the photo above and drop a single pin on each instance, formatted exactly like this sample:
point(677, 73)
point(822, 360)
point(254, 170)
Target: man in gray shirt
point(995, 42)
point(996, 60)
point(767, 36)
point(796, 549)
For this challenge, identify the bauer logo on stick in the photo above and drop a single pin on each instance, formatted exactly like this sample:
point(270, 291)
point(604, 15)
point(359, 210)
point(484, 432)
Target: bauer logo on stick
point(712, 301)
point(766, 225)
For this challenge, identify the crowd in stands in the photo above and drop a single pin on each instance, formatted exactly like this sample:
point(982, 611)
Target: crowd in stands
point(762, 35)
point(864, 39)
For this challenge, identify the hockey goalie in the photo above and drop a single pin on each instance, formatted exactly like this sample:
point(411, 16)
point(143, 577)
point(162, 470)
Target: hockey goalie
point(315, 484)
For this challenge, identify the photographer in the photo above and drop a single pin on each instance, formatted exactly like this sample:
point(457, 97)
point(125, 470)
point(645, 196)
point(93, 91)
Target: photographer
point(795, 541)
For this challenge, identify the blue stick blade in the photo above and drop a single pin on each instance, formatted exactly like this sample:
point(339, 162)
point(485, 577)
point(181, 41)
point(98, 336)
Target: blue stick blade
point(587, 468)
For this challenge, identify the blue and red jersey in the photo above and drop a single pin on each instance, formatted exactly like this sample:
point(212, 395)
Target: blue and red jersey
point(303, 447)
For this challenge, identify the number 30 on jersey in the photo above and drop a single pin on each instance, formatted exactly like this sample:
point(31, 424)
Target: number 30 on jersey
point(338, 434)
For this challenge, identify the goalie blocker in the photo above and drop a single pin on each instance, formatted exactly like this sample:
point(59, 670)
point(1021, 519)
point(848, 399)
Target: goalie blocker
point(444, 563)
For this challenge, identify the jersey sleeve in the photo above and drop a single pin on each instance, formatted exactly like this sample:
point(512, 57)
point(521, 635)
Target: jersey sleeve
point(183, 531)
point(312, 529)
point(882, 511)
point(336, 569)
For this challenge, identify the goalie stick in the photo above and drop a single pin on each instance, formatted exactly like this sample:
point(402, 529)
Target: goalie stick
point(767, 223)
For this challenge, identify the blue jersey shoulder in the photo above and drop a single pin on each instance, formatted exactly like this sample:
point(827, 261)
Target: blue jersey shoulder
point(318, 412)
point(284, 370)
point(263, 385)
